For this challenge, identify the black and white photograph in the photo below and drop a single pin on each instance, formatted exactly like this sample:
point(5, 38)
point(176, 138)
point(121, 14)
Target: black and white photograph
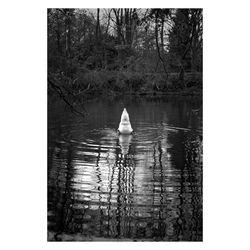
point(125, 124)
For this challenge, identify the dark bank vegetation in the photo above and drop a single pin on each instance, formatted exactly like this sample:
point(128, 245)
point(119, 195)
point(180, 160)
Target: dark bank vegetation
point(117, 51)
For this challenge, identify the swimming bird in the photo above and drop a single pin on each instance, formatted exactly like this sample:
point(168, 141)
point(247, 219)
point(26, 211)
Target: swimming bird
point(125, 126)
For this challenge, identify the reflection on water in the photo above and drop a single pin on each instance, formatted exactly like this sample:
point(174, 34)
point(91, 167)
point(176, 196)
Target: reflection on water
point(124, 142)
point(145, 186)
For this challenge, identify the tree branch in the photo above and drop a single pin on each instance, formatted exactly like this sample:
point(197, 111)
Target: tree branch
point(63, 97)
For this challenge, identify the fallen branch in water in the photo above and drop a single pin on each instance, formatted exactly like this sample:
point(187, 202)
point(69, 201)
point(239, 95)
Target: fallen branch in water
point(63, 97)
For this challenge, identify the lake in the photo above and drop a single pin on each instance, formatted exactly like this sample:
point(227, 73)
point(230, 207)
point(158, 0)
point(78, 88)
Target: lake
point(141, 187)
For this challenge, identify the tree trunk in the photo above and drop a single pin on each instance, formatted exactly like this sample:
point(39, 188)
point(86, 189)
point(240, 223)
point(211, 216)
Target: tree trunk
point(68, 24)
point(157, 43)
point(97, 26)
point(119, 19)
point(107, 28)
point(68, 34)
point(162, 34)
point(128, 22)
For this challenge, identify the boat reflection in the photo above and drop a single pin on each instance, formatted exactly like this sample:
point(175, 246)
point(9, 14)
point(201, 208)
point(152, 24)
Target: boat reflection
point(124, 142)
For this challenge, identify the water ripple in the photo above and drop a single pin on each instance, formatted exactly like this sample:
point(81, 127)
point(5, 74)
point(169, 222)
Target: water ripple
point(105, 186)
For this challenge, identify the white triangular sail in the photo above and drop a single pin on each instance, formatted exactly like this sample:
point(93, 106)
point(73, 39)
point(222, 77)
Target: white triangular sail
point(125, 126)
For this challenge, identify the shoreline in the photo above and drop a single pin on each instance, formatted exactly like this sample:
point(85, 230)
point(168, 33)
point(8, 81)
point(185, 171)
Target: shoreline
point(188, 92)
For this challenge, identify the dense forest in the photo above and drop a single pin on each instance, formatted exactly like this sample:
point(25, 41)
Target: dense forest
point(117, 51)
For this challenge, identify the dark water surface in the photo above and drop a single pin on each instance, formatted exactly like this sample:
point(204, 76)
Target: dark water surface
point(146, 186)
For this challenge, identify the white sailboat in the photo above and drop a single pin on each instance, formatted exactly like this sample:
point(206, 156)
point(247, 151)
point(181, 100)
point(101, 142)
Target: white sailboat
point(125, 126)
